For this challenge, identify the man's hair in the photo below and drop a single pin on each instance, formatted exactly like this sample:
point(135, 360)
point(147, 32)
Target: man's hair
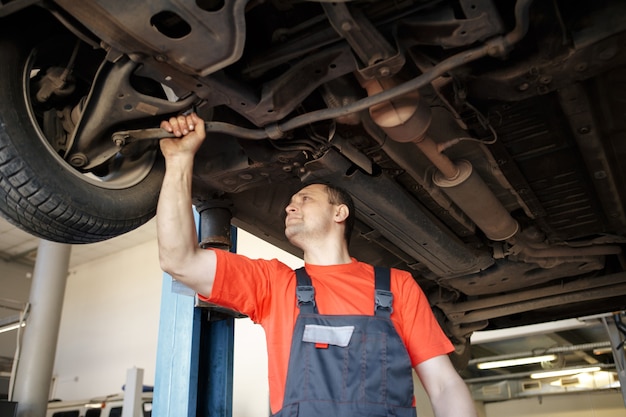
point(338, 195)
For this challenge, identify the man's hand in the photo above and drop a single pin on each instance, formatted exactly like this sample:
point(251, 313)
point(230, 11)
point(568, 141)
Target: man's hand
point(190, 130)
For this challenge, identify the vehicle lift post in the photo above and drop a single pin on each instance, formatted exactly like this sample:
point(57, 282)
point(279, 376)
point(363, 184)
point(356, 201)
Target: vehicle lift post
point(35, 363)
point(194, 369)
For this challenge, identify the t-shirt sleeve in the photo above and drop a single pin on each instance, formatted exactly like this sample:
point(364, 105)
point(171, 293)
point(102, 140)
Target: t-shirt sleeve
point(243, 284)
point(419, 328)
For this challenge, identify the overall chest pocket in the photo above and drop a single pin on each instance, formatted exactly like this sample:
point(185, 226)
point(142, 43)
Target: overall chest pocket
point(354, 362)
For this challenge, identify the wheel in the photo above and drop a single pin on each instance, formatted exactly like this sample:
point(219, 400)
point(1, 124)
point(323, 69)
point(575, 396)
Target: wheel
point(40, 191)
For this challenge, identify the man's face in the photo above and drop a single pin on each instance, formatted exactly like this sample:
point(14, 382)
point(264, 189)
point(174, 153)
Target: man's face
point(309, 214)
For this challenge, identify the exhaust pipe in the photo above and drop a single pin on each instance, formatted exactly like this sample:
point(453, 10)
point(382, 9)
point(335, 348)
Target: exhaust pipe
point(406, 119)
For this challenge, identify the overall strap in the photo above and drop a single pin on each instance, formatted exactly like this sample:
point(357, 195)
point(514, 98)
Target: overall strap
point(305, 293)
point(384, 297)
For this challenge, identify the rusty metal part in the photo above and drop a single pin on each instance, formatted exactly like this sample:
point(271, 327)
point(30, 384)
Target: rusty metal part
point(56, 82)
point(578, 106)
point(548, 256)
point(494, 47)
point(498, 306)
point(124, 137)
point(113, 98)
point(405, 120)
point(471, 193)
point(448, 169)
point(379, 57)
point(179, 28)
point(481, 21)
point(214, 228)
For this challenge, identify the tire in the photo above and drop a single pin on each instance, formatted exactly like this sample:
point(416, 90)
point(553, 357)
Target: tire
point(43, 194)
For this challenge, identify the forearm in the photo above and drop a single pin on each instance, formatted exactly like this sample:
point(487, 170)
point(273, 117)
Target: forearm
point(176, 229)
point(448, 393)
point(454, 400)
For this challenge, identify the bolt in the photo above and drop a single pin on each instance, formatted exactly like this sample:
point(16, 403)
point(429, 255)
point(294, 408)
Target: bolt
point(384, 71)
point(581, 67)
point(78, 160)
point(160, 58)
point(346, 26)
point(493, 50)
point(523, 86)
point(600, 175)
point(584, 130)
point(545, 79)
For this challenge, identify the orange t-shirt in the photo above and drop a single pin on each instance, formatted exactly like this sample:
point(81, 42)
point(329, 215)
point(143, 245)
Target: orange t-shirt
point(265, 291)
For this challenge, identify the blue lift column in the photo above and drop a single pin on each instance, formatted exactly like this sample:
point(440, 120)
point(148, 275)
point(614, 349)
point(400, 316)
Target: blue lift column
point(194, 369)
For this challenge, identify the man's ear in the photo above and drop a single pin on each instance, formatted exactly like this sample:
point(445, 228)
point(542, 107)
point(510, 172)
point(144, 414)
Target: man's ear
point(341, 213)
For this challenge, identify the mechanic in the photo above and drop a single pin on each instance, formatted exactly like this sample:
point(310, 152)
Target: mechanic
point(334, 348)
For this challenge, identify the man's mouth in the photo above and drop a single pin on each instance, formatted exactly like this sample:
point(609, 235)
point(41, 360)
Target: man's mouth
point(291, 218)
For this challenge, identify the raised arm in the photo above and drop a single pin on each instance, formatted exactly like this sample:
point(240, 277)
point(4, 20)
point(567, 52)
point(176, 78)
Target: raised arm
point(179, 254)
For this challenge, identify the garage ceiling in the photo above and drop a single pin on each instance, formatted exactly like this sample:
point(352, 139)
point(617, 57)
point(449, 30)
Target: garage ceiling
point(19, 246)
point(575, 343)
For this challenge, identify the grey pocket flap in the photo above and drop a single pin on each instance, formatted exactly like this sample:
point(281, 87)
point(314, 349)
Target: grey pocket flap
point(338, 336)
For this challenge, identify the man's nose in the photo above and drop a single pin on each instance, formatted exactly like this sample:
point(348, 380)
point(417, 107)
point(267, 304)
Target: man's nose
point(290, 208)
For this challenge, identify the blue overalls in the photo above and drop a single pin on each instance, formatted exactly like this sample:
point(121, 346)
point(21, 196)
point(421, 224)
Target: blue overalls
point(347, 366)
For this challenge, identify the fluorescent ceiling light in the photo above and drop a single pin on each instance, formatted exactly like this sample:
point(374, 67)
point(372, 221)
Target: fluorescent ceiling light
point(595, 380)
point(564, 372)
point(10, 327)
point(516, 362)
point(487, 336)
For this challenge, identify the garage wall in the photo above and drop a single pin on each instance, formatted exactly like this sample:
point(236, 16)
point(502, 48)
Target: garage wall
point(15, 280)
point(583, 404)
point(109, 323)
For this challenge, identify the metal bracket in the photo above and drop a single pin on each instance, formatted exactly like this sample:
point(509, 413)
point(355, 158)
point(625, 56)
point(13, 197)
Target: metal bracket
point(379, 57)
point(113, 99)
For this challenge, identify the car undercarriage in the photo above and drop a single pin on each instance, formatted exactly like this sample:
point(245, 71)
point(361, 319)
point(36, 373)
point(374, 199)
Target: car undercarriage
point(482, 140)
